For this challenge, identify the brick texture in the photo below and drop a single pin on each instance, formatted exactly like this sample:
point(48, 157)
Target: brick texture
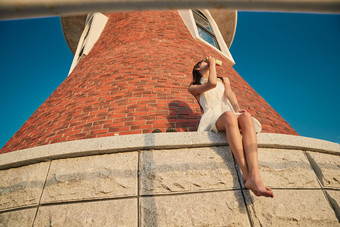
point(133, 81)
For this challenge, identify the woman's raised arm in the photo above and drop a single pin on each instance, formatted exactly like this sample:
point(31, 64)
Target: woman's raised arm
point(209, 69)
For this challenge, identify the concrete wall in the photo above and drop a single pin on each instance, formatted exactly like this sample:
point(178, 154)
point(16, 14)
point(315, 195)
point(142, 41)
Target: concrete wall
point(169, 179)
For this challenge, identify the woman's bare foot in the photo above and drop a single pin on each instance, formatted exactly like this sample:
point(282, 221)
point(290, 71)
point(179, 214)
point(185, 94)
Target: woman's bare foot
point(258, 188)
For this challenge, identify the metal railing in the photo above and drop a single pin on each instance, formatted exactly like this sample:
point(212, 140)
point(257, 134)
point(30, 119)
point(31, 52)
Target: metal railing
point(10, 9)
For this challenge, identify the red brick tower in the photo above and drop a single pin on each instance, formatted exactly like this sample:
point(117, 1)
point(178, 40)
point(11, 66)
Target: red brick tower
point(132, 81)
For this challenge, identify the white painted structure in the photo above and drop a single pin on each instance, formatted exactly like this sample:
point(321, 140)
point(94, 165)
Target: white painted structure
point(95, 24)
point(188, 19)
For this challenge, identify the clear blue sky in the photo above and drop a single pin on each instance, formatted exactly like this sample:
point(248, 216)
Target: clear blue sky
point(292, 60)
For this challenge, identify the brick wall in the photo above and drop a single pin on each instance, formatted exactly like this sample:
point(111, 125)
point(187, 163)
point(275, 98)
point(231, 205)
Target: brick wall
point(133, 81)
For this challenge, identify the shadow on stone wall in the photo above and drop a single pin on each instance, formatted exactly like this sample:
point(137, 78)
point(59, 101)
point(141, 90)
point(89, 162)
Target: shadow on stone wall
point(231, 164)
point(149, 212)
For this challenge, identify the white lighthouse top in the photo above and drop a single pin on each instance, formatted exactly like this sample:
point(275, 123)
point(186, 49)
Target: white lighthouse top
point(73, 26)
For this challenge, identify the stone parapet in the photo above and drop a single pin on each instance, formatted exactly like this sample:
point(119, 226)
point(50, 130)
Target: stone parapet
point(169, 179)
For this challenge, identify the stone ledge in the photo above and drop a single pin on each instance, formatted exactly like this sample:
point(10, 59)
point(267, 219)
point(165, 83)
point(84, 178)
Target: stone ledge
point(193, 185)
point(127, 143)
point(282, 141)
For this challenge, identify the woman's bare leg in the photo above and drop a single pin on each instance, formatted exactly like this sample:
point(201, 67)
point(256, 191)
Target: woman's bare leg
point(249, 138)
point(228, 122)
point(253, 179)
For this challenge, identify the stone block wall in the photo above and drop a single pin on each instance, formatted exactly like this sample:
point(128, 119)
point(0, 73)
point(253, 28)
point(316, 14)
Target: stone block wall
point(169, 179)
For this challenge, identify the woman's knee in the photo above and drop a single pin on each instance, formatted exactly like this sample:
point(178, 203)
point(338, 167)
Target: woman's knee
point(246, 115)
point(245, 118)
point(229, 118)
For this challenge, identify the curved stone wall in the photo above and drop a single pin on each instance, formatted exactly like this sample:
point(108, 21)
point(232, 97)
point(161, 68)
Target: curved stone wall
point(169, 179)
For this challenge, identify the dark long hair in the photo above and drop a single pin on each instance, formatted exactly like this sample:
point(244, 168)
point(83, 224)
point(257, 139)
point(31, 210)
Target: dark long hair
point(196, 74)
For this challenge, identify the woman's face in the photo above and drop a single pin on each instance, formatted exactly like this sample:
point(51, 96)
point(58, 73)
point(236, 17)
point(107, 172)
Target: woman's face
point(204, 66)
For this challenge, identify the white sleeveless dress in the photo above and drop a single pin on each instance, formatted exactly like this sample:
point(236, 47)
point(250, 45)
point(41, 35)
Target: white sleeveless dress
point(214, 103)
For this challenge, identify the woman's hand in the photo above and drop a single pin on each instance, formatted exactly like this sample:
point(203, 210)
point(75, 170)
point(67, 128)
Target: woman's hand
point(226, 81)
point(211, 60)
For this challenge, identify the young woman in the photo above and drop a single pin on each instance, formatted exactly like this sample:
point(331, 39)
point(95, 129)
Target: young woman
point(221, 112)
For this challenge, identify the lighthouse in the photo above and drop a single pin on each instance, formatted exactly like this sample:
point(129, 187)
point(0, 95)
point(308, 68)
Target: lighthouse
point(130, 75)
point(88, 155)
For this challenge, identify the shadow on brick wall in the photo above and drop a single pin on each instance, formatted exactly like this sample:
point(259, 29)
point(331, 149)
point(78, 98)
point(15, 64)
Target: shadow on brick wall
point(182, 118)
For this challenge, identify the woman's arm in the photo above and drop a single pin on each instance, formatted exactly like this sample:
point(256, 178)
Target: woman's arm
point(199, 89)
point(212, 71)
point(212, 80)
point(231, 95)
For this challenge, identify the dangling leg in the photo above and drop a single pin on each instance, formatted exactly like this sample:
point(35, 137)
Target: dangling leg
point(253, 180)
point(228, 122)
